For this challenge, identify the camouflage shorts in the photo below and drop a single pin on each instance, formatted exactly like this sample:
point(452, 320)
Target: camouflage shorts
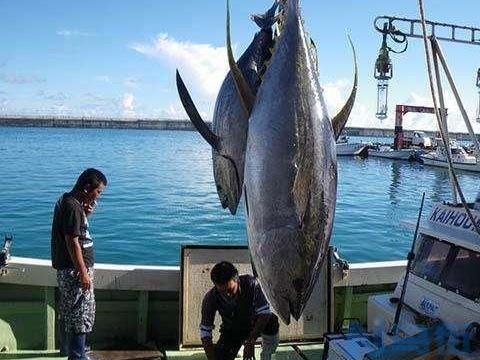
point(77, 306)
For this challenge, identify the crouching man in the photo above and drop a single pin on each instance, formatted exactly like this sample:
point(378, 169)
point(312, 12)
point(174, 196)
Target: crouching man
point(245, 315)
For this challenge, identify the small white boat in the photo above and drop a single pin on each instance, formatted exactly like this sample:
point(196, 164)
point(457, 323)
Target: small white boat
point(460, 158)
point(386, 151)
point(345, 148)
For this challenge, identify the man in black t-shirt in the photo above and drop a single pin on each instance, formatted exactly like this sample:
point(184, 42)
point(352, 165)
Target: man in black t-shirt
point(72, 257)
point(245, 315)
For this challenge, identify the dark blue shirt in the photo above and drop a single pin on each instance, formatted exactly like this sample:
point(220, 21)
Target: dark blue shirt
point(69, 220)
point(238, 313)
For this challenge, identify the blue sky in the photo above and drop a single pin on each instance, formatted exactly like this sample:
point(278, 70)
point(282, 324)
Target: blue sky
point(118, 58)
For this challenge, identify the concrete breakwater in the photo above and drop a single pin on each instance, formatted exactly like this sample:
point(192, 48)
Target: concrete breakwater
point(167, 124)
point(378, 132)
point(107, 123)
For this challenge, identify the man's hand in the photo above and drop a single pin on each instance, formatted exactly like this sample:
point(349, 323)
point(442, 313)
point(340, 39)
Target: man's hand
point(260, 324)
point(75, 252)
point(249, 350)
point(88, 208)
point(85, 281)
point(208, 347)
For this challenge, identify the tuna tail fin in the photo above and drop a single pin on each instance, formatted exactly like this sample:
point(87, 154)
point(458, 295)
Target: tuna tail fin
point(339, 121)
point(244, 91)
point(193, 114)
point(266, 21)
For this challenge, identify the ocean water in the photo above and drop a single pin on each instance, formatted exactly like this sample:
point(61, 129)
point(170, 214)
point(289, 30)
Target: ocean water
point(161, 195)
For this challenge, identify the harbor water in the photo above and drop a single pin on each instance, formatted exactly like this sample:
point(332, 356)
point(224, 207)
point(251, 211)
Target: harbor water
point(161, 194)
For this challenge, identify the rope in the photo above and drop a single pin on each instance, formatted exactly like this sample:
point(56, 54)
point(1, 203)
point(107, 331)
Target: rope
point(457, 98)
point(438, 115)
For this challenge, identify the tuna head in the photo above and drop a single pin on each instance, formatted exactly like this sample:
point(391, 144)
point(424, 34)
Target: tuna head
point(228, 136)
point(290, 173)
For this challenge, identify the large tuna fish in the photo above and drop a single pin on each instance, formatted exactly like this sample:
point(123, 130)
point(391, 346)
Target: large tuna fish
point(291, 171)
point(228, 136)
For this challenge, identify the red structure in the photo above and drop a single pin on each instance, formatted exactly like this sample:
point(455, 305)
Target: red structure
point(401, 110)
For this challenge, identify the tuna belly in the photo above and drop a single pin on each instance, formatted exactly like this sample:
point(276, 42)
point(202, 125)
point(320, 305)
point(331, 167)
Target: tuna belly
point(286, 264)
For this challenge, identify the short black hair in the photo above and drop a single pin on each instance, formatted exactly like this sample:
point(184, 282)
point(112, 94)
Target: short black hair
point(223, 272)
point(90, 179)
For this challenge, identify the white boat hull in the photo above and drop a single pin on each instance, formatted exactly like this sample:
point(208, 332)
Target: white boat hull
point(404, 154)
point(346, 149)
point(456, 165)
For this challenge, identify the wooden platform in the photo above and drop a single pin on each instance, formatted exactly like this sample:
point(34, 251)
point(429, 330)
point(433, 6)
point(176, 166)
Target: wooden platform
point(126, 355)
point(32, 355)
point(284, 352)
point(94, 355)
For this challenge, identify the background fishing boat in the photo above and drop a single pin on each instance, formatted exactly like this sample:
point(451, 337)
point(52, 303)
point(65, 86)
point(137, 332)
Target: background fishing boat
point(346, 148)
point(462, 160)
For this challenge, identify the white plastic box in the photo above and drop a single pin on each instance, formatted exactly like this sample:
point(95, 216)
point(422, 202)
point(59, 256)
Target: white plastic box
point(351, 347)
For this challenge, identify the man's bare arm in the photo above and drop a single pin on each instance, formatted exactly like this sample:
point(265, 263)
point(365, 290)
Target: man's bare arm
point(208, 347)
point(75, 252)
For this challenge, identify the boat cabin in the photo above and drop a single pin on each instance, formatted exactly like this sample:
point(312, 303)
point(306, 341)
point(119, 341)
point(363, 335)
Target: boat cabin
point(459, 155)
point(443, 287)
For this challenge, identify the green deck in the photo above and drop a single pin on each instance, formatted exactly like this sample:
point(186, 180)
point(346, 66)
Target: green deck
point(284, 352)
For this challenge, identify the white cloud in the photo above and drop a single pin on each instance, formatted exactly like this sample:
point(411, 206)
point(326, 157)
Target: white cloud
point(71, 33)
point(364, 116)
point(455, 120)
point(336, 94)
point(173, 111)
point(127, 101)
point(128, 105)
point(19, 79)
point(100, 99)
point(103, 78)
point(202, 66)
point(58, 96)
point(4, 104)
point(131, 82)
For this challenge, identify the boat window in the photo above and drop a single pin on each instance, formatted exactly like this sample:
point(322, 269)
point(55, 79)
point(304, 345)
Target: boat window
point(462, 274)
point(431, 258)
point(456, 151)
